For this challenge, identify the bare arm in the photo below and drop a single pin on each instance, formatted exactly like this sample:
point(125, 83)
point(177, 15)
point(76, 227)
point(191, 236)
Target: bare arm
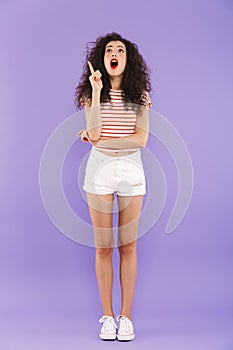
point(93, 115)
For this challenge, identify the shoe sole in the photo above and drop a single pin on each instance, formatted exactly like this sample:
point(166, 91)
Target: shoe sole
point(125, 337)
point(107, 336)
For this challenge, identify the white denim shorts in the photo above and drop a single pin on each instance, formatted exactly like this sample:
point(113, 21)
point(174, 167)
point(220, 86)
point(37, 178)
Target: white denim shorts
point(105, 174)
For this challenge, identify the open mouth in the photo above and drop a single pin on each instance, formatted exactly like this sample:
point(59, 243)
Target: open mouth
point(113, 63)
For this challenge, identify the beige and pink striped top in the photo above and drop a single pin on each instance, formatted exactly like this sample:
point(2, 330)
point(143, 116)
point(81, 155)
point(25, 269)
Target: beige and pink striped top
point(116, 120)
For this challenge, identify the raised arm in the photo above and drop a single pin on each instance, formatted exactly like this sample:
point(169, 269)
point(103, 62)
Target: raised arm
point(93, 115)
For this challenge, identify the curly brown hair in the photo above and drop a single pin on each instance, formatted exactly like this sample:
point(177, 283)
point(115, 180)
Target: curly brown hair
point(136, 79)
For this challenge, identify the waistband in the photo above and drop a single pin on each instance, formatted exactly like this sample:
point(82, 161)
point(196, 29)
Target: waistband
point(115, 150)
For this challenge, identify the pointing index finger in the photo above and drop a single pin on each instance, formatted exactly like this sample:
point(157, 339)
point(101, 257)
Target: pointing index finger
point(91, 67)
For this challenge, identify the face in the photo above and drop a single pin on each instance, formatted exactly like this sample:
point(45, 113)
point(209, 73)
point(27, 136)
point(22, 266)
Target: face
point(115, 58)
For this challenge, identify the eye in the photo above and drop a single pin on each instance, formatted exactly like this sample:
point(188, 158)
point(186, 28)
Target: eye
point(108, 50)
point(121, 50)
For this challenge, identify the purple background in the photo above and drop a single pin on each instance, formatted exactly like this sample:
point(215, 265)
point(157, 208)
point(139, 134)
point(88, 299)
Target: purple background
point(184, 294)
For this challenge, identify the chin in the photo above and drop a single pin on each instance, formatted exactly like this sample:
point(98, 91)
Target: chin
point(115, 74)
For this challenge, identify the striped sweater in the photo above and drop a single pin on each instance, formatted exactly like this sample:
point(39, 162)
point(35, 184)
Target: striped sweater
point(116, 120)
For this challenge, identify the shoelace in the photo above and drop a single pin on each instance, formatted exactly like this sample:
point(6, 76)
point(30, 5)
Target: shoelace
point(107, 320)
point(125, 322)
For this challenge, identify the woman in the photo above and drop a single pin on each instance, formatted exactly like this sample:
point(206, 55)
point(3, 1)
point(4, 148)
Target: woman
point(114, 89)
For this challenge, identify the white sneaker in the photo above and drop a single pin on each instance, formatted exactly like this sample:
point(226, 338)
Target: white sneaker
point(126, 330)
point(108, 330)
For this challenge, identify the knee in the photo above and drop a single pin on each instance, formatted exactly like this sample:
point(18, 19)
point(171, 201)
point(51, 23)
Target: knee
point(127, 249)
point(104, 253)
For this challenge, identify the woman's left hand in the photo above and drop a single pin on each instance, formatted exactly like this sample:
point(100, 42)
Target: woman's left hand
point(84, 136)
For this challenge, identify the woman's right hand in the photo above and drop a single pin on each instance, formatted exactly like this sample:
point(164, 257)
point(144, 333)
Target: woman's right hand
point(95, 78)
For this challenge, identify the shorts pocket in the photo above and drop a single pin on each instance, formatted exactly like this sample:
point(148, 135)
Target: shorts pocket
point(94, 163)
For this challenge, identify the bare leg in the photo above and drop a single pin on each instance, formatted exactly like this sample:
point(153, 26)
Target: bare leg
point(101, 207)
point(127, 243)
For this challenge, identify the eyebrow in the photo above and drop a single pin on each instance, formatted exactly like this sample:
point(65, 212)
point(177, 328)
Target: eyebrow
point(117, 46)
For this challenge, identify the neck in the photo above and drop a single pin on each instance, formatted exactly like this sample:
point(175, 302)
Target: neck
point(115, 83)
